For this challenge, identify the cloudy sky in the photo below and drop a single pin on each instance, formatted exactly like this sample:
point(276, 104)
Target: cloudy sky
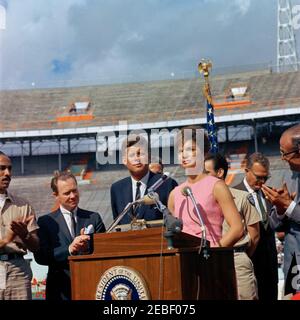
point(63, 42)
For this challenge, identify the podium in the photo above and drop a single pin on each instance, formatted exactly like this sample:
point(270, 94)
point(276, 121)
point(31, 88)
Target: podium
point(138, 265)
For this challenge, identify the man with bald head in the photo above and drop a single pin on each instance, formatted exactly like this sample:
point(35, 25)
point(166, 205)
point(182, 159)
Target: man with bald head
point(286, 200)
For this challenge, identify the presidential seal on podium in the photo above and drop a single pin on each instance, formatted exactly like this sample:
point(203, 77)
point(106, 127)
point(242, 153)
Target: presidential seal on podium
point(122, 283)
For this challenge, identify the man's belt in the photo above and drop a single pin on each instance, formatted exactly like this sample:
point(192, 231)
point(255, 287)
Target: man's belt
point(242, 248)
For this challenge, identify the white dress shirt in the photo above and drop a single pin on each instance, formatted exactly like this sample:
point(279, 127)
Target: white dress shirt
point(143, 185)
point(68, 218)
point(254, 195)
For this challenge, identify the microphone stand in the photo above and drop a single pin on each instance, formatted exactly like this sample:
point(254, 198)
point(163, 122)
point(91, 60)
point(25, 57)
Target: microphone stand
point(171, 228)
point(120, 217)
point(205, 251)
point(158, 183)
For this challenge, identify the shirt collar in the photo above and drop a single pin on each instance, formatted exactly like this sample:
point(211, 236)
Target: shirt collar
point(65, 211)
point(8, 196)
point(144, 180)
point(3, 196)
point(249, 189)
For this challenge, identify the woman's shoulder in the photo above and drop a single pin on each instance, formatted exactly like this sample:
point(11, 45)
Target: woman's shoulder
point(209, 180)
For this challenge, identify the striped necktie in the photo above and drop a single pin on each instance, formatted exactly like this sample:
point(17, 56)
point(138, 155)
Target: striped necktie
point(262, 209)
point(137, 197)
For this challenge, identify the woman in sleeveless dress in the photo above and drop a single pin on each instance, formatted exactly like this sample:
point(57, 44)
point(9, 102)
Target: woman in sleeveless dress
point(212, 195)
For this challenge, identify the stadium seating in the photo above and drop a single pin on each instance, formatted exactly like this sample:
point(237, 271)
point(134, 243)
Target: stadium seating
point(157, 100)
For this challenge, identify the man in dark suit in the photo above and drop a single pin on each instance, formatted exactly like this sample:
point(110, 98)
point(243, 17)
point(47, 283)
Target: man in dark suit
point(62, 233)
point(135, 158)
point(286, 200)
point(265, 256)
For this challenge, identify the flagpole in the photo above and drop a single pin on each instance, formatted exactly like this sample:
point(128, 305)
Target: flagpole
point(204, 67)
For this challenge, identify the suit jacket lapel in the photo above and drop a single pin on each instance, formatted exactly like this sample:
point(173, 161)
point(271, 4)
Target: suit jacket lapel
point(241, 186)
point(81, 221)
point(63, 225)
point(127, 193)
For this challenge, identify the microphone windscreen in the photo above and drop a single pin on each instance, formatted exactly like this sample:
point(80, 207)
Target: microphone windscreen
point(185, 191)
point(148, 200)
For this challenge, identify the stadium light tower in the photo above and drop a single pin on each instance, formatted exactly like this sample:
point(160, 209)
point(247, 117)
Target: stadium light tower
point(287, 59)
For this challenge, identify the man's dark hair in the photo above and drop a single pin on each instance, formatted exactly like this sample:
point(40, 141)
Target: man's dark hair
point(219, 162)
point(3, 154)
point(257, 157)
point(134, 140)
point(63, 176)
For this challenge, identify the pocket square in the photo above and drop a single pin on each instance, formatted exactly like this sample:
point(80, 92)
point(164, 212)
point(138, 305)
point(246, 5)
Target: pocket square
point(89, 229)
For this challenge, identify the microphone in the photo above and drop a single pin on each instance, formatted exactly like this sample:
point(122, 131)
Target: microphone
point(146, 200)
point(172, 223)
point(159, 182)
point(187, 192)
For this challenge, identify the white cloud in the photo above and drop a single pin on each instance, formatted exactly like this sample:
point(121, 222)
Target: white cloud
point(243, 5)
point(130, 39)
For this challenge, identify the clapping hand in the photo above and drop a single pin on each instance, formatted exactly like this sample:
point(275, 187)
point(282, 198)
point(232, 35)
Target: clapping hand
point(80, 243)
point(281, 198)
point(19, 226)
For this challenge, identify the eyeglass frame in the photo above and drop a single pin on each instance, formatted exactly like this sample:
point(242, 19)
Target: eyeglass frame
point(258, 178)
point(284, 154)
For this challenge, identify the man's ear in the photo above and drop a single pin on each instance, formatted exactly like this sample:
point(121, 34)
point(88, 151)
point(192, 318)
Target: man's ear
point(55, 194)
point(124, 160)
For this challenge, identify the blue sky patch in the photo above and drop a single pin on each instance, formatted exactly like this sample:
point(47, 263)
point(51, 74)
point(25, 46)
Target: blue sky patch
point(61, 66)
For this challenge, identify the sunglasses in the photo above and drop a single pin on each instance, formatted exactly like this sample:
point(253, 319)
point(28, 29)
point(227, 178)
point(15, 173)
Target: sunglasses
point(260, 178)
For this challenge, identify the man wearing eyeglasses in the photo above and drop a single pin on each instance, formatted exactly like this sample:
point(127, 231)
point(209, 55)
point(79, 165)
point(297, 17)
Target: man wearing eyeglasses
point(287, 202)
point(265, 256)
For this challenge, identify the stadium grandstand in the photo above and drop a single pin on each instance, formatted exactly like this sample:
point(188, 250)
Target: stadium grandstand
point(57, 128)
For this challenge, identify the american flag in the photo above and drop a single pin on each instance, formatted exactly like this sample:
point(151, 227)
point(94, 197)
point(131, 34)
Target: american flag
point(210, 126)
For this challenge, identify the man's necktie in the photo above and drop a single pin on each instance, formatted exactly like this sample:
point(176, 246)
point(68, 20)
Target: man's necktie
point(137, 197)
point(73, 223)
point(262, 210)
point(138, 190)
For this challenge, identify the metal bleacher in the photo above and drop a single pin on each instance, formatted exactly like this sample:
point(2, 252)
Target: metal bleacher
point(134, 102)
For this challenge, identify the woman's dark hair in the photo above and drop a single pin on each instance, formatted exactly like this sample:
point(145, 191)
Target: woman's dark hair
point(192, 132)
